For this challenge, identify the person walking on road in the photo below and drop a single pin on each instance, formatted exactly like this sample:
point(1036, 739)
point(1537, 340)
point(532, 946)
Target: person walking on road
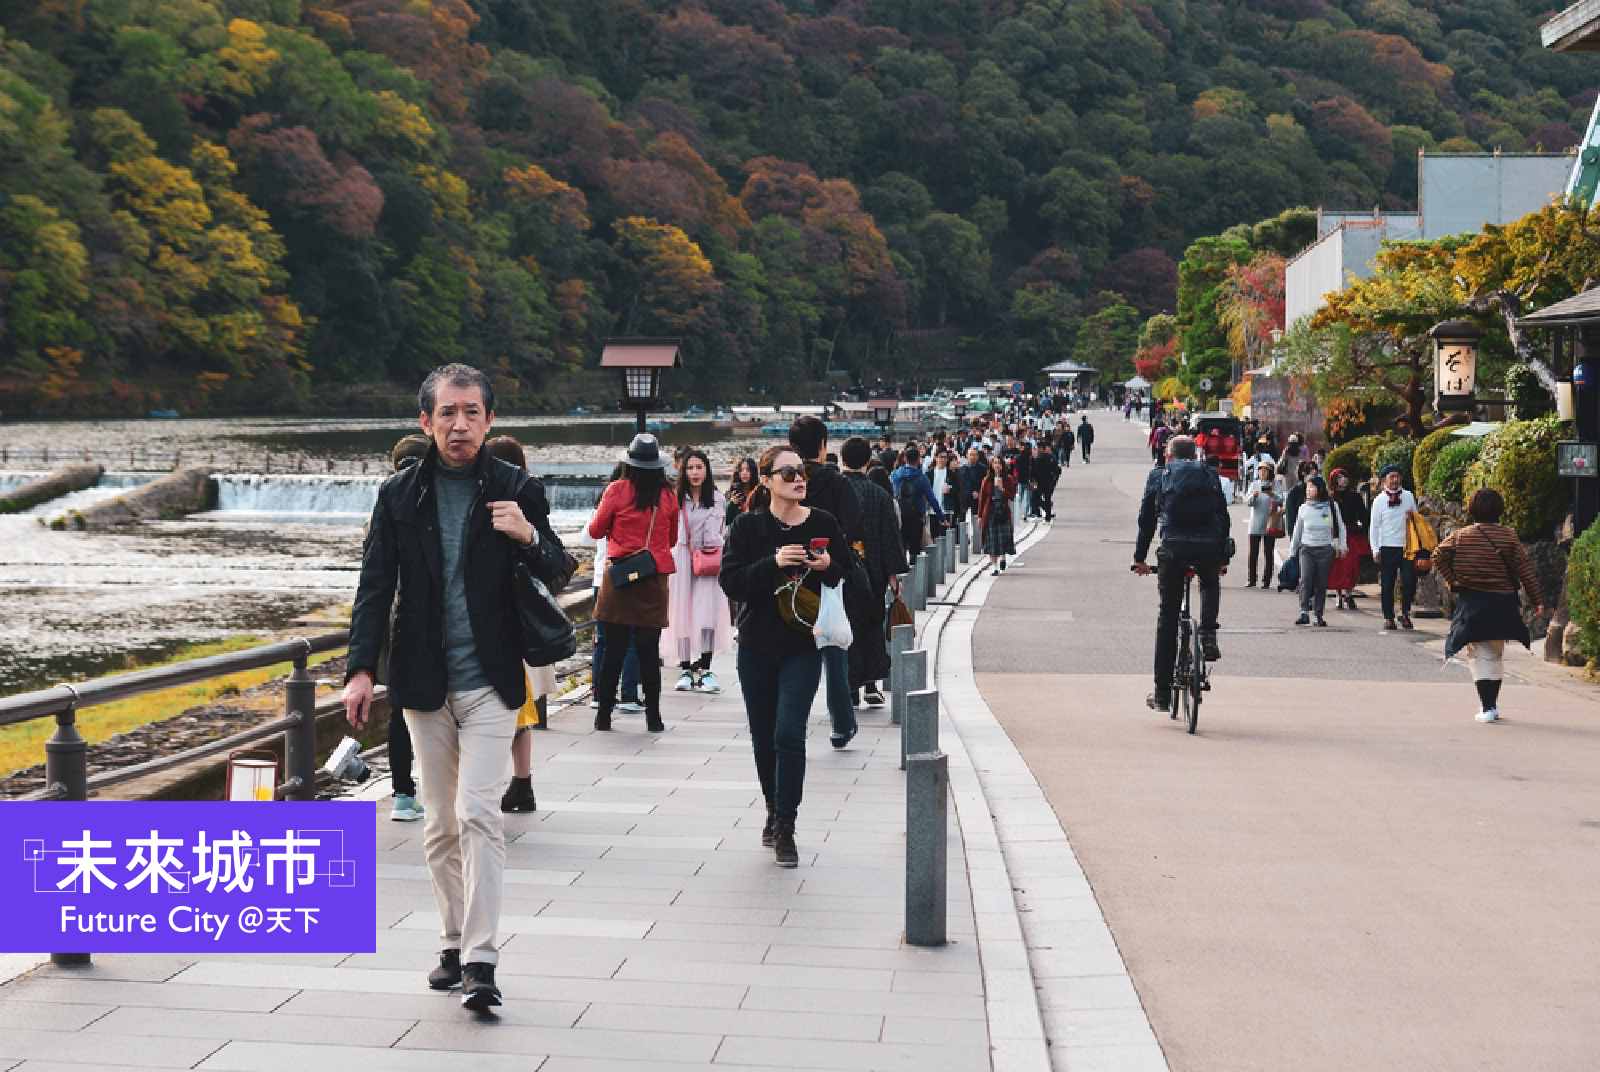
point(447, 534)
point(628, 697)
point(1392, 506)
point(1484, 564)
point(744, 481)
point(995, 496)
point(408, 451)
point(1319, 538)
point(698, 620)
point(518, 797)
point(1046, 474)
point(915, 496)
point(1346, 573)
point(1086, 438)
point(826, 489)
point(1265, 500)
point(1185, 499)
point(779, 554)
point(884, 557)
point(637, 515)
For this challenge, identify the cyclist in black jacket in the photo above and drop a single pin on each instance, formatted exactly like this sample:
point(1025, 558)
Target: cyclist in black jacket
point(1186, 499)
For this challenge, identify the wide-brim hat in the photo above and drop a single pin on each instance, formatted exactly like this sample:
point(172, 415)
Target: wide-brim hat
point(644, 452)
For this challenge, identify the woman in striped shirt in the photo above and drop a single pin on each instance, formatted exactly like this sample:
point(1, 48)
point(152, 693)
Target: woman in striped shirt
point(1484, 564)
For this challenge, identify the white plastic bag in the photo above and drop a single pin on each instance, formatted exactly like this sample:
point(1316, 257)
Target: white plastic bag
point(833, 626)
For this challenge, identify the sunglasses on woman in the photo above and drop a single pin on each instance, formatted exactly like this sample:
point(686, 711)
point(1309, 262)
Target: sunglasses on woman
point(789, 474)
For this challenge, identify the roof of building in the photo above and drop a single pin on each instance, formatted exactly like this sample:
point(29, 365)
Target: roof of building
point(1580, 309)
point(1577, 29)
point(1067, 368)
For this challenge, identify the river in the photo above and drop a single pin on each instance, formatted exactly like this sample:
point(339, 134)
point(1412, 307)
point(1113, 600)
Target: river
point(283, 541)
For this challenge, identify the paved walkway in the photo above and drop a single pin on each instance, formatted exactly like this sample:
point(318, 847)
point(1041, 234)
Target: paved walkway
point(1342, 870)
point(645, 927)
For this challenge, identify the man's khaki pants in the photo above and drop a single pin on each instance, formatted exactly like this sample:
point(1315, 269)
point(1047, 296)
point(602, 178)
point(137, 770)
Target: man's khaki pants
point(464, 755)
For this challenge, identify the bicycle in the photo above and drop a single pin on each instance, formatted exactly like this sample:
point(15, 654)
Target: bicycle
point(1191, 674)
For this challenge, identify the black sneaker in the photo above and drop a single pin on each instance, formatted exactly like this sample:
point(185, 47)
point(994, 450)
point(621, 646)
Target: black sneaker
point(783, 847)
point(1304, 619)
point(1208, 647)
point(1405, 622)
point(873, 696)
point(478, 991)
point(769, 832)
point(1159, 700)
point(653, 723)
point(840, 740)
point(447, 976)
point(519, 797)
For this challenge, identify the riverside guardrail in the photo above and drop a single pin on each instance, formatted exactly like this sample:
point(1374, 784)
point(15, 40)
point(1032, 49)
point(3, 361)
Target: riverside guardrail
point(67, 753)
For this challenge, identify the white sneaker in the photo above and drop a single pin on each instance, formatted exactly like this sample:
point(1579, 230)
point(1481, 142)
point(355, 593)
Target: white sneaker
point(1491, 715)
point(685, 682)
point(632, 707)
point(709, 683)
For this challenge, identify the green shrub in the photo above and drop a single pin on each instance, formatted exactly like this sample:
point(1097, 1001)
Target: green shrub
point(1428, 452)
point(1397, 452)
point(1527, 395)
point(1519, 461)
point(1583, 590)
point(1354, 457)
point(1450, 468)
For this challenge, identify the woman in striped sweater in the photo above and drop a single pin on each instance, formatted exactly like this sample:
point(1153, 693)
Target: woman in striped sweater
point(1484, 564)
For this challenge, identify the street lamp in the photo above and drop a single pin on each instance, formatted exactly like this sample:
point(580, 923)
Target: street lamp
point(641, 362)
point(1455, 371)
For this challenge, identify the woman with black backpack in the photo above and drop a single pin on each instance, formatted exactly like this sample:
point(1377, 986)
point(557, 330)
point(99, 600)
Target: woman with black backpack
point(779, 554)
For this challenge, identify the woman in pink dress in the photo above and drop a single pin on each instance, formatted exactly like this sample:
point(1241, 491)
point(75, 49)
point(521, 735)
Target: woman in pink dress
point(700, 623)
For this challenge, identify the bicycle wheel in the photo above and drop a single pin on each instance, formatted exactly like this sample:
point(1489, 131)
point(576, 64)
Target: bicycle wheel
point(1197, 685)
point(1180, 672)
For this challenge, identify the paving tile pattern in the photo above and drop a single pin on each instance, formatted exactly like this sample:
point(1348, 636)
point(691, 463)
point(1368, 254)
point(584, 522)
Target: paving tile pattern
point(644, 927)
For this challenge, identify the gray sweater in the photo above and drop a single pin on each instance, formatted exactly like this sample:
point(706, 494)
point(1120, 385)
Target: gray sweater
point(454, 493)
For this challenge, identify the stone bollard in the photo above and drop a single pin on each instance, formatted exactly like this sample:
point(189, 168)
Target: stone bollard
point(949, 551)
point(927, 804)
point(916, 586)
point(930, 575)
point(921, 727)
point(965, 544)
point(902, 638)
point(913, 677)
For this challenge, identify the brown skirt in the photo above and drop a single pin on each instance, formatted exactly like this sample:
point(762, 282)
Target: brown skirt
point(643, 604)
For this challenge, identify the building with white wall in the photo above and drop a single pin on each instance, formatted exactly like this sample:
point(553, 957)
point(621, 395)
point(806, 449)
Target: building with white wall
point(1456, 193)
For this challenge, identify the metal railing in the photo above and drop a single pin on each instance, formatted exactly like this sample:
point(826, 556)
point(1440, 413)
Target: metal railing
point(66, 763)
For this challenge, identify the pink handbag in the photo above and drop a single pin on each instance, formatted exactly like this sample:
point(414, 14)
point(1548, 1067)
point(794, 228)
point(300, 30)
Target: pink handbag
point(706, 561)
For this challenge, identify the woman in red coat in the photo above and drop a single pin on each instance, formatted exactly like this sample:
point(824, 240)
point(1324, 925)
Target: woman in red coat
point(637, 513)
point(995, 495)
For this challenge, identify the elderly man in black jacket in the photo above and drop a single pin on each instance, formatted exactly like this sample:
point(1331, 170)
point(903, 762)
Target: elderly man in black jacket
point(884, 555)
point(448, 533)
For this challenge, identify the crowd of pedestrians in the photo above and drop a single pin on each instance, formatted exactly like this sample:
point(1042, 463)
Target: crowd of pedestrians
point(796, 566)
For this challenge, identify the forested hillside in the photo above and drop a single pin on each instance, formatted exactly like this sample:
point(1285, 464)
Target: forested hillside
point(242, 204)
